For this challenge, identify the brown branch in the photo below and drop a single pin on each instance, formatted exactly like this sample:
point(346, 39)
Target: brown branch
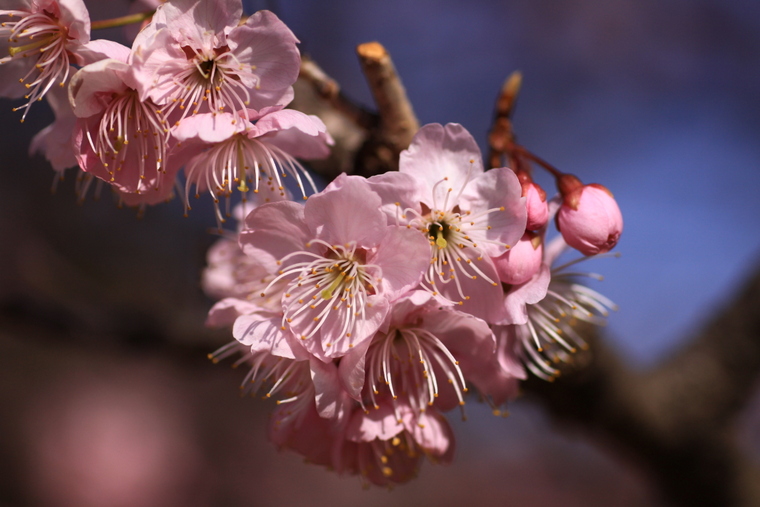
point(675, 421)
point(366, 143)
point(398, 123)
point(329, 90)
point(501, 136)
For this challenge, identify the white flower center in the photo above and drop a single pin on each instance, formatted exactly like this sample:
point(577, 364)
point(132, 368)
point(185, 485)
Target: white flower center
point(333, 285)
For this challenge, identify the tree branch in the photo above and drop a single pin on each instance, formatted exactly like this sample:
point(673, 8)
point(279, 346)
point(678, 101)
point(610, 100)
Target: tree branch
point(675, 421)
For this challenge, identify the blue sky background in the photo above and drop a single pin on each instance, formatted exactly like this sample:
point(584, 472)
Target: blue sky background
point(658, 101)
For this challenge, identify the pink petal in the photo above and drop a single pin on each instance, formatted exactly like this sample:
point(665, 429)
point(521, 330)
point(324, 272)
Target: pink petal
point(398, 192)
point(329, 342)
point(485, 298)
point(225, 312)
point(101, 49)
point(378, 424)
point(274, 230)
point(54, 141)
point(432, 432)
point(264, 333)
point(403, 255)
point(351, 370)
point(531, 292)
point(265, 41)
point(104, 77)
point(439, 152)
point(329, 397)
point(195, 19)
point(495, 189)
point(350, 213)
point(208, 127)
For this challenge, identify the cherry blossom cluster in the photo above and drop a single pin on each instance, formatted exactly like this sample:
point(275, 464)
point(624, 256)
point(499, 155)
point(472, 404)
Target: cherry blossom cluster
point(381, 302)
point(369, 309)
point(198, 90)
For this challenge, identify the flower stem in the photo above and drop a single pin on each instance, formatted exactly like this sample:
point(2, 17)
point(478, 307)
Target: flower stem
point(122, 21)
point(530, 156)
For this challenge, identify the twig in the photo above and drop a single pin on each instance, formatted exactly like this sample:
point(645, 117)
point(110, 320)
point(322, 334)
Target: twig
point(398, 123)
point(501, 135)
point(329, 90)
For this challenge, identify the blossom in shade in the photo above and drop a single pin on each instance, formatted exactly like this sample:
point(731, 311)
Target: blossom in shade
point(119, 138)
point(589, 219)
point(196, 55)
point(468, 216)
point(41, 39)
point(544, 310)
point(386, 445)
point(426, 357)
point(342, 262)
point(54, 141)
point(224, 156)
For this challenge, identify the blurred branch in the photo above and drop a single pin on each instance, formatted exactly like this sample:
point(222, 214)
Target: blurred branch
point(328, 90)
point(675, 421)
point(366, 143)
point(501, 135)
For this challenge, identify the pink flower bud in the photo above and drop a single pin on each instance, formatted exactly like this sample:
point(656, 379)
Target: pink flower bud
point(589, 219)
point(538, 211)
point(522, 261)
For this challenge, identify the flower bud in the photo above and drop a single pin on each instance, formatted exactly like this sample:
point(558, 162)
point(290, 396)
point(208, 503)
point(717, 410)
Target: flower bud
point(522, 261)
point(538, 210)
point(589, 218)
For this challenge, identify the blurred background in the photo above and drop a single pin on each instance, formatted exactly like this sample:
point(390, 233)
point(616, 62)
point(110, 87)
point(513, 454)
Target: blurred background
point(108, 398)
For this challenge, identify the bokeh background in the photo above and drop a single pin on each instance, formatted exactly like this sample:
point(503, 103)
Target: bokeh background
point(107, 397)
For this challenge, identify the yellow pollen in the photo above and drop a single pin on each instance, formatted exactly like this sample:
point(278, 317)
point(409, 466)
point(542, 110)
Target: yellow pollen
point(328, 292)
point(440, 240)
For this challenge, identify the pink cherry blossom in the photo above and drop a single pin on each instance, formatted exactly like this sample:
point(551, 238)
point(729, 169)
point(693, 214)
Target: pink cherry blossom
point(467, 215)
point(386, 444)
point(225, 155)
point(543, 309)
point(119, 138)
point(196, 55)
point(589, 219)
point(306, 433)
point(427, 356)
point(41, 39)
point(343, 264)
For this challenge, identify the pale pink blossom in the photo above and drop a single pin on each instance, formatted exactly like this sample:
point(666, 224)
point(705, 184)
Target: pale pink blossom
point(306, 433)
point(247, 155)
point(54, 141)
point(119, 138)
point(468, 216)
point(343, 264)
point(41, 39)
point(427, 356)
point(386, 445)
point(196, 55)
point(589, 219)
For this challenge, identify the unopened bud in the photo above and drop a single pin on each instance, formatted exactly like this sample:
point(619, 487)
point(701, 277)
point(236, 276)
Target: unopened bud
point(589, 219)
point(538, 210)
point(522, 261)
